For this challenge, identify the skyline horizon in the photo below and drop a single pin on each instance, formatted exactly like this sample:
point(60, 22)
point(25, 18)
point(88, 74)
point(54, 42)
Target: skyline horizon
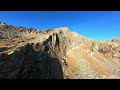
point(58, 27)
point(96, 25)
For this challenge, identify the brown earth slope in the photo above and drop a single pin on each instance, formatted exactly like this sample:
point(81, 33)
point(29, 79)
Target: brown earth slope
point(26, 53)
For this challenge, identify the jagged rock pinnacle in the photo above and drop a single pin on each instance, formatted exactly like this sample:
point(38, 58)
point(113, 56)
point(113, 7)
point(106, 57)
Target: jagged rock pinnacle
point(27, 53)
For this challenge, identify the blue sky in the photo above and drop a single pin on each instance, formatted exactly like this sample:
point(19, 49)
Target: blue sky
point(97, 25)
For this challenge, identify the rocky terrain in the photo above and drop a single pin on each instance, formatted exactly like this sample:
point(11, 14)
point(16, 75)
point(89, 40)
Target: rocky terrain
point(27, 53)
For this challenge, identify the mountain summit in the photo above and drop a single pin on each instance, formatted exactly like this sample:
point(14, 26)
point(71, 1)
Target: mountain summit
point(27, 53)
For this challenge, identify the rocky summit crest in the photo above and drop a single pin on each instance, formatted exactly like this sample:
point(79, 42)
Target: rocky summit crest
point(58, 53)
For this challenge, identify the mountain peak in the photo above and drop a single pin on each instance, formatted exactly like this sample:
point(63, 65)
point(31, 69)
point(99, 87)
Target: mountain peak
point(58, 53)
point(2, 23)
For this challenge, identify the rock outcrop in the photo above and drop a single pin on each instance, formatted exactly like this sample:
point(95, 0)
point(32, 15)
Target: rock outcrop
point(27, 53)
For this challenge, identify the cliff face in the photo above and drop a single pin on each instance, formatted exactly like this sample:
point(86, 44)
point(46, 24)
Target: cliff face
point(26, 53)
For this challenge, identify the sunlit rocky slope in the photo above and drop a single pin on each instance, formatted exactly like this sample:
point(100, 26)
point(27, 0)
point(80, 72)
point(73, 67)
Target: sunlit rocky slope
point(58, 53)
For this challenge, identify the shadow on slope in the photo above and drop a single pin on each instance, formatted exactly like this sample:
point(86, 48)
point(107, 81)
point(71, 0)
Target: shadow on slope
point(29, 64)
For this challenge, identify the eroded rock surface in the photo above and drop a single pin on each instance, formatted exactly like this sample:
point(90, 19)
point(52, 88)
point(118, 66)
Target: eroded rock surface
point(27, 53)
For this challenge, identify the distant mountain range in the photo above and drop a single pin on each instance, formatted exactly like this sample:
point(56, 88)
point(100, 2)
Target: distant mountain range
point(27, 53)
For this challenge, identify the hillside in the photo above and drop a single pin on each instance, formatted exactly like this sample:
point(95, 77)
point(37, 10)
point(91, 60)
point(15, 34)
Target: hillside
point(27, 53)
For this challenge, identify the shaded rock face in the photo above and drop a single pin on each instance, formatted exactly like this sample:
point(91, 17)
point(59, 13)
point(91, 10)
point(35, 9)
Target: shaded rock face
point(28, 63)
point(27, 53)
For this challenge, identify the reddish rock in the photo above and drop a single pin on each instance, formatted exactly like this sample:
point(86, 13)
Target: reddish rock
point(55, 54)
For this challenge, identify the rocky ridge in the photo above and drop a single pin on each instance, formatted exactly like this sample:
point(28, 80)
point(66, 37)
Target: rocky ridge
point(27, 53)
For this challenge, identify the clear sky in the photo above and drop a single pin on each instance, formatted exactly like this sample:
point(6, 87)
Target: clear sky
point(97, 25)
